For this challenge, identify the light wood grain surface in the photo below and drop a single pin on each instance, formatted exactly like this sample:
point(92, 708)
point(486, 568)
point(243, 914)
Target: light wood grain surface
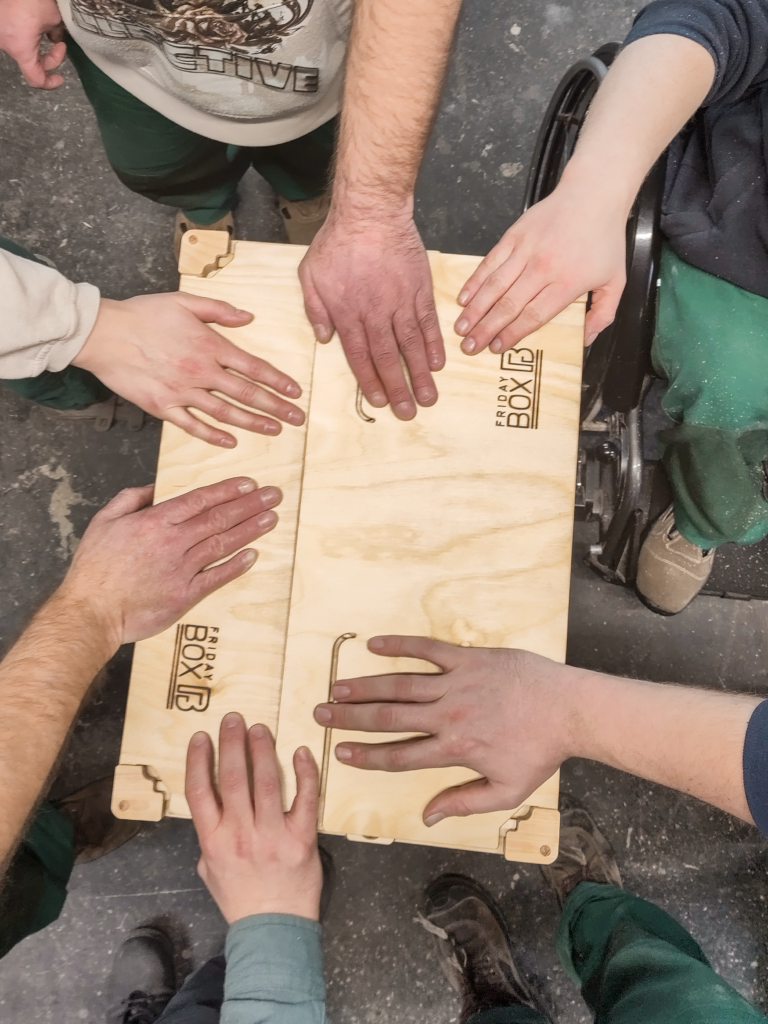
point(454, 525)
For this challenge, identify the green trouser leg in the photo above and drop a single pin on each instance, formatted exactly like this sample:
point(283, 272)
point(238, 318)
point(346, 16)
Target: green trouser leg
point(711, 346)
point(162, 161)
point(70, 388)
point(35, 885)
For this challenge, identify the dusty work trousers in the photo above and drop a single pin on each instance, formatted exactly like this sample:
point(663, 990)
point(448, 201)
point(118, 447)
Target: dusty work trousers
point(70, 388)
point(164, 162)
point(711, 348)
point(633, 962)
point(35, 885)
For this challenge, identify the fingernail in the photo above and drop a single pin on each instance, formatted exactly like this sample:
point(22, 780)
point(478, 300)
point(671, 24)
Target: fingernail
point(425, 395)
point(258, 731)
point(322, 714)
point(495, 345)
point(463, 298)
point(321, 332)
point(246, 486)
point(231, 720)
point(296, 417)
point(468, 345)
point(590, 338)
point(341, 691)
point(249, 556)
point(228, 442)
point(267, 520)
point(272, 427)
point(343, 753)
point(405, 409)
point(270, 495)
point(436, 362)
point(303, 753)
point(433, 819)
point(293, 390)
point(199, 739)
point(462, 326)
point(379, 399)
point(375, 643)
point(242, 312)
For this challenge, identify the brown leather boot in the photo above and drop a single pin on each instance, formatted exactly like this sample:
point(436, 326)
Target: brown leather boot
point(303, 218)
point(670, 570)
point(585, 854)
point(184, 223)
point(97, 830)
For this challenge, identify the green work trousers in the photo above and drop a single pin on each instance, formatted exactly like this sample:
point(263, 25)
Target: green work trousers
point(162, 161)
point(70, 388)
point(635, 965)
point(711, 347)
point(35, 886)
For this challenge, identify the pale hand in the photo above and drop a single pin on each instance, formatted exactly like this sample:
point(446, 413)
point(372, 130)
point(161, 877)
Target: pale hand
point(570, 243)
point(369, 279)
point(139, 569)
point(255, 858)
point(24, 24)
point(158, 352)
point(491, 710)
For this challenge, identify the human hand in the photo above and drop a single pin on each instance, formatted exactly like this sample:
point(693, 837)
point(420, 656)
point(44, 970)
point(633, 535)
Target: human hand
point(570, 243)
point(138, 569)
point(505, 714)
point(24, 24)
point(255, 858)
point(369, 279)
point(157, 351)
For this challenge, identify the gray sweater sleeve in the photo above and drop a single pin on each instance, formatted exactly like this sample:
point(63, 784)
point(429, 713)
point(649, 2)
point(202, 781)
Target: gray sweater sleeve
point(44, 317)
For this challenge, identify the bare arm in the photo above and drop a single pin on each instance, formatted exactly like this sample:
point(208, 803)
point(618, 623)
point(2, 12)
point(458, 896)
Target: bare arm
point(136, 570)
point(514, 717)
point(366, 274)
point(573, 241)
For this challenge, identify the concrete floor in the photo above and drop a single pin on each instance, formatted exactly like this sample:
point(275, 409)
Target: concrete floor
point(60, 199)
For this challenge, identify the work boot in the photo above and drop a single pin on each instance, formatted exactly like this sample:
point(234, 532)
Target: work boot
point(184, 223)
point(143, 978)
point(303, 218)
point(670, 570)
point(112, 410)
point(97, 830)
point(585, 854)
point(474, 946)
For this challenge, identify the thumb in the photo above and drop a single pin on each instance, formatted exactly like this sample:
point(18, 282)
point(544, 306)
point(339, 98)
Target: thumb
point(214, 311)
point(127, 501)
point(476, 797)
point(602, 312)
point(31, 67)
point(315, 308)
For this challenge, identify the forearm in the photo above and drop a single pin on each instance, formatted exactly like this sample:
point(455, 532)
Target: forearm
point(397, 57)
point(43, 681)
point(654, 87)
point(688, 739)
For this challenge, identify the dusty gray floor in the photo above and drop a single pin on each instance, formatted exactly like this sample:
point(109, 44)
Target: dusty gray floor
point(60, 198)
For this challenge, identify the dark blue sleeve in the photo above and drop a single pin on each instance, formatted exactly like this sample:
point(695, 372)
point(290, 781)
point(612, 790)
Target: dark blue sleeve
point(756, 766)
point(735, 32)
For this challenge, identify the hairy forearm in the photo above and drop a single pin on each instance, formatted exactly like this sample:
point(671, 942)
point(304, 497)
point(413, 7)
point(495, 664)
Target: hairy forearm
point(651, 91)
point(43, 681)
point(397, 57)
point(688, 739)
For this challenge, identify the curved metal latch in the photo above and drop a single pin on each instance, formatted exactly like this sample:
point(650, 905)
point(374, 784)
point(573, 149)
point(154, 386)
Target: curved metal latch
point(327, 740)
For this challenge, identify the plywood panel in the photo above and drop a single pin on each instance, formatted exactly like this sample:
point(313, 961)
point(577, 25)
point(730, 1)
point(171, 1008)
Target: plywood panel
point(456, 525)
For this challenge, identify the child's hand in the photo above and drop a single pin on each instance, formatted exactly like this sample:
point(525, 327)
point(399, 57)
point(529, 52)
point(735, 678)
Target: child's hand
point(570, 243)
point(24, 24)
point(256, 859)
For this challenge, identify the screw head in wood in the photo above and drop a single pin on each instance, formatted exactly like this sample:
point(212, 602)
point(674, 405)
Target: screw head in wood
point(124, 805)
point(545, 851)
point(192, 239)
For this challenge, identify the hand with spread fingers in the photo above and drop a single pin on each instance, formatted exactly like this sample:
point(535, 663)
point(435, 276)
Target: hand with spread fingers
point(486, 710)
point(24, 27)
point(158, 352)
point(255, 858)
point(139, 568)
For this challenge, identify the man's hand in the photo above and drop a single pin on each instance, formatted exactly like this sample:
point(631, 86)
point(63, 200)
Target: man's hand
point(24, 25)
point(369, 279)
point(138, 569)
point(570, 243)
point(256, 859)
point(494, 711)
point(157, 351)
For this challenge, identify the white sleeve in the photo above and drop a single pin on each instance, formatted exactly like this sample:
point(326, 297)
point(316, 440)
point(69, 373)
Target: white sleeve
point(44, 317)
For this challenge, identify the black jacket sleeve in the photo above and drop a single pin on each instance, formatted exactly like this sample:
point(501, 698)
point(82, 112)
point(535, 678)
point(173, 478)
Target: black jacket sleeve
point(756, 766)
point(735, 32)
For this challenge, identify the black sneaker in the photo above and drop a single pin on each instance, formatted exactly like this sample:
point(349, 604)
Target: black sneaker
point(474, 946)
point(585, 854)
point(143, 978)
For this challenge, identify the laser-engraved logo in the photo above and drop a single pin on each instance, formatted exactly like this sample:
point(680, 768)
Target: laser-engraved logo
point(519, 390)
point(194, 654)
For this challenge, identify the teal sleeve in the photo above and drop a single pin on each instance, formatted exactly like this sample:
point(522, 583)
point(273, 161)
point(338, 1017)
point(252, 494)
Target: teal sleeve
point(274, 971)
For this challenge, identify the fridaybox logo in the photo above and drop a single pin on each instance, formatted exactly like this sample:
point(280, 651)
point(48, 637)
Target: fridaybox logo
point(519, 391)
point(194, 655)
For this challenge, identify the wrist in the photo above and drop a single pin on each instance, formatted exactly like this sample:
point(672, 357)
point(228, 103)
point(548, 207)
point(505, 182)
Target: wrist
point(91, 354)
point(307, 909)
point(359, 203)
point(610, 188)
point(92, 622)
